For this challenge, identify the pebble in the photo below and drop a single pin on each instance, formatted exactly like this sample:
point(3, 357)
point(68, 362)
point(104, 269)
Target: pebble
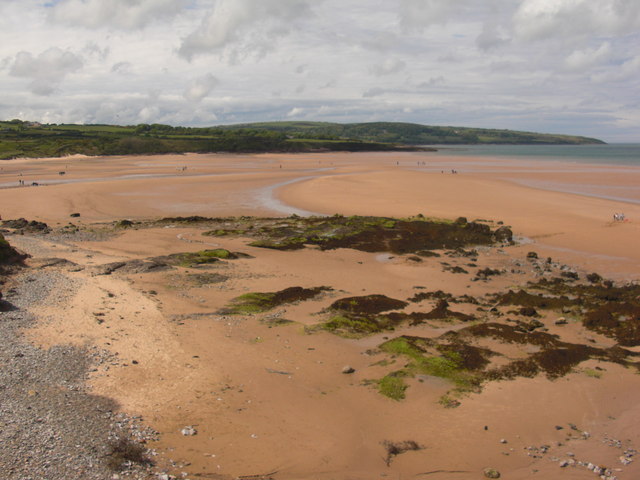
point(188, 431)
point(491, 473)
point(348, 369)
point(52, 428)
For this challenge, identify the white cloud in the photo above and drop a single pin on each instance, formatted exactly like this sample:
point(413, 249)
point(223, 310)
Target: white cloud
point(92, 49)
point(561, 65)
point(246, 27)
point(432, 82)
point(374, 92)
point(492, 36)
point(388, 67)
point(419, 14)
point(200, 87)
point(628, 71)
point(122, 68)
point(47, 70)
point(119, 14)
point(581, 60)
point(295, 112)
point(545, 19)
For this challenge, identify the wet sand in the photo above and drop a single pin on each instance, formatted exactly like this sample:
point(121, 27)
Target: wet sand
point(270, 399)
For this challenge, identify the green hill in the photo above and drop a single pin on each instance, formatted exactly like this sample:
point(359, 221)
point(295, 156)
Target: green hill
point(416, 134)
point(29, 139)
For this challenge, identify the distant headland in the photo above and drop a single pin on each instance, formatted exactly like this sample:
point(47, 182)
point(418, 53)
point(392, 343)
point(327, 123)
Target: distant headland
point(20, 139)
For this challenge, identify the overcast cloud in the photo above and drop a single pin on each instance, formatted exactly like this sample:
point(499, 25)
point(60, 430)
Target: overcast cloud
point(559, 66)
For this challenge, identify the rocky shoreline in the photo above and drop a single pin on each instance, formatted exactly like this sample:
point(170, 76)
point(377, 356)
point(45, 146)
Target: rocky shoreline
point(51, 426)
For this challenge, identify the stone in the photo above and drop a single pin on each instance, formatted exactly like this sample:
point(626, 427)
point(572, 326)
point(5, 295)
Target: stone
point(503, 234)
point(491, 473)
point(348, 369)
point(189, 431)
point(561, 321)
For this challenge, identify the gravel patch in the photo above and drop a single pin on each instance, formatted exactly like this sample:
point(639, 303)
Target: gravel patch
point(51, 427)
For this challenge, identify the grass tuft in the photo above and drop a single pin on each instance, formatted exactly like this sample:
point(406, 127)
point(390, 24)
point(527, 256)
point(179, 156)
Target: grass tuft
point(123, 452)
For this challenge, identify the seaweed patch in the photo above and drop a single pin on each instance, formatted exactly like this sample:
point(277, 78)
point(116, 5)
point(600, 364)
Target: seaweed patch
point(258, 302)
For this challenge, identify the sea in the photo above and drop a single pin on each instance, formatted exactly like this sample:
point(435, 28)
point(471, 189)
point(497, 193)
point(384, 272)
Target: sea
point(609, 154)
point(574, 158)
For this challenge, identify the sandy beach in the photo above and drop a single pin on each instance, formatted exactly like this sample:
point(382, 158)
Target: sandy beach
point(268, 398)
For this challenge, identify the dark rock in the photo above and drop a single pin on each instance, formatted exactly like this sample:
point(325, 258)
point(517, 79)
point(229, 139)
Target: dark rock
point(124, 224)
point(503, 234)
point(53, 262)
point(594, 278)
point(368, 304)
point(75, 215)
point(529, 326)
point(427, 253)
point(528, 311)
point(570, 275)
point(22, 225)
point(132, 266)
point(485, 273)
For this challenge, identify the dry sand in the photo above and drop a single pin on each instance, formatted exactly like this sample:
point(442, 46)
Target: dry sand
point(273, 399)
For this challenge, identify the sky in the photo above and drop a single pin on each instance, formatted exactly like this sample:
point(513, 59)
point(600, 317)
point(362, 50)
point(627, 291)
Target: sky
point(552, 66)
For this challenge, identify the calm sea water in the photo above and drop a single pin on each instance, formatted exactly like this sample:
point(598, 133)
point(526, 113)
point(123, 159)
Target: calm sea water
point(611, 154)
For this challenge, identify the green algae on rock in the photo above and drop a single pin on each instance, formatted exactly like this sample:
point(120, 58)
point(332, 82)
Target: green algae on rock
point(258, 302)
point(202, 257)
point(361, 316)
point(365, 233)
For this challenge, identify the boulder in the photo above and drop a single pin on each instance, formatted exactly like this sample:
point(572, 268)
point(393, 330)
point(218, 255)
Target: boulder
point(503, 234)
